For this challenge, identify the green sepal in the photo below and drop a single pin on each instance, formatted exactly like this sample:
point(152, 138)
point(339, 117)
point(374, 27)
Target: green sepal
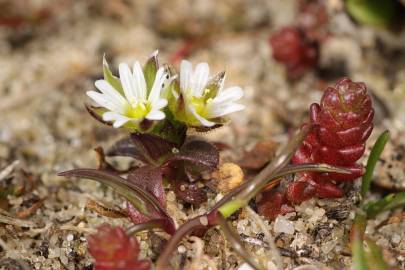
point(150, 69)
point(110, 78)
point(214, 85)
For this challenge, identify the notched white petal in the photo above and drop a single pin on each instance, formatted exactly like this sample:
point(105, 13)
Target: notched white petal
point(157, 85)
point(218, 111)
point(200, 78)
point(186, 71)
point(127, 82)
point(230, 94)
point(107, 89)
point(155, 115)
point(160, 104)
point(103, 101)
point(139, 81)
point(117, 119)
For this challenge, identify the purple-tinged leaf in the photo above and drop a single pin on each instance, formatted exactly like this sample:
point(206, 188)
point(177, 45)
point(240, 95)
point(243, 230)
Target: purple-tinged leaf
point(142, 200)
point(189, 193)
point(151, 146)
point(136, 216)
point(149, 179)
point(126, 148)
point(192, 172)
point(198, 152)
point(145, 206)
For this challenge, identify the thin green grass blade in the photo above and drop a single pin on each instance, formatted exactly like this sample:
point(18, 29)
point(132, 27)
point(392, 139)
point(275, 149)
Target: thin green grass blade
point(389, 202)
point(358, 253)
point(376, 256)
point(372, 161)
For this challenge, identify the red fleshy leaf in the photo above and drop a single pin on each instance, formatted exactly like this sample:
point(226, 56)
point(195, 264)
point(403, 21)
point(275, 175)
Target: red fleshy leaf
point(342, 123)
point(272, 203)
point(291, 47)
point(112, 249)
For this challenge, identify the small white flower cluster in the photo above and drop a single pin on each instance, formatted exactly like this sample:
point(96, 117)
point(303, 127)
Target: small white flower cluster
point(197, 100)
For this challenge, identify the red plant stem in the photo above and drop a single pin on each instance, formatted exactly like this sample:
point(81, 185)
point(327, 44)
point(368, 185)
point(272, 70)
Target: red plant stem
point(200, 222)
point(149, 225)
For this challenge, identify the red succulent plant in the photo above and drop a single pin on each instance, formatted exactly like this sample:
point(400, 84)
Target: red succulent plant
point(112, 249)
point(341, 124)
point(292, 48)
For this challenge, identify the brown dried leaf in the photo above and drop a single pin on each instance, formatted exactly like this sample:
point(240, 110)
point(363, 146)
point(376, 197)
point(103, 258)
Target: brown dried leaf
point(31, 210)
point(259, 156)
point(105, 210)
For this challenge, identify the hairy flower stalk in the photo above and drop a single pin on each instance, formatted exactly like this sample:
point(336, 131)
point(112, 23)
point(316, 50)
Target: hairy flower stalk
point(129, 101)
point(200, 101)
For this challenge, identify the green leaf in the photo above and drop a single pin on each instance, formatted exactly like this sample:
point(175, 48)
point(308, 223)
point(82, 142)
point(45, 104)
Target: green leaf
point(372, 12)
point(109, 77)
point(359, 255)
point(150, 69)
point(389, 202)
point(372, 161)
point(375, 256)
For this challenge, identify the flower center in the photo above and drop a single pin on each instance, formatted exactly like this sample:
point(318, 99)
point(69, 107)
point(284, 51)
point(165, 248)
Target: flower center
point(200, 103)
point(137, 109)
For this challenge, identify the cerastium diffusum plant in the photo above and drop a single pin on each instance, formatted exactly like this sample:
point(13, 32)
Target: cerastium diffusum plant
point(157, 107)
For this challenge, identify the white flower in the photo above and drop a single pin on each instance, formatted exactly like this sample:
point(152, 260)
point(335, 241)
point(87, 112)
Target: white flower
point(203, 104)
point(136, 102)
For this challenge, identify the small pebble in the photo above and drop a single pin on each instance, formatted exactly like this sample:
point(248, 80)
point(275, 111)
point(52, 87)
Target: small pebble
point(70, 237)
point(396, 239)
point(282, 225)
point(181, 249)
